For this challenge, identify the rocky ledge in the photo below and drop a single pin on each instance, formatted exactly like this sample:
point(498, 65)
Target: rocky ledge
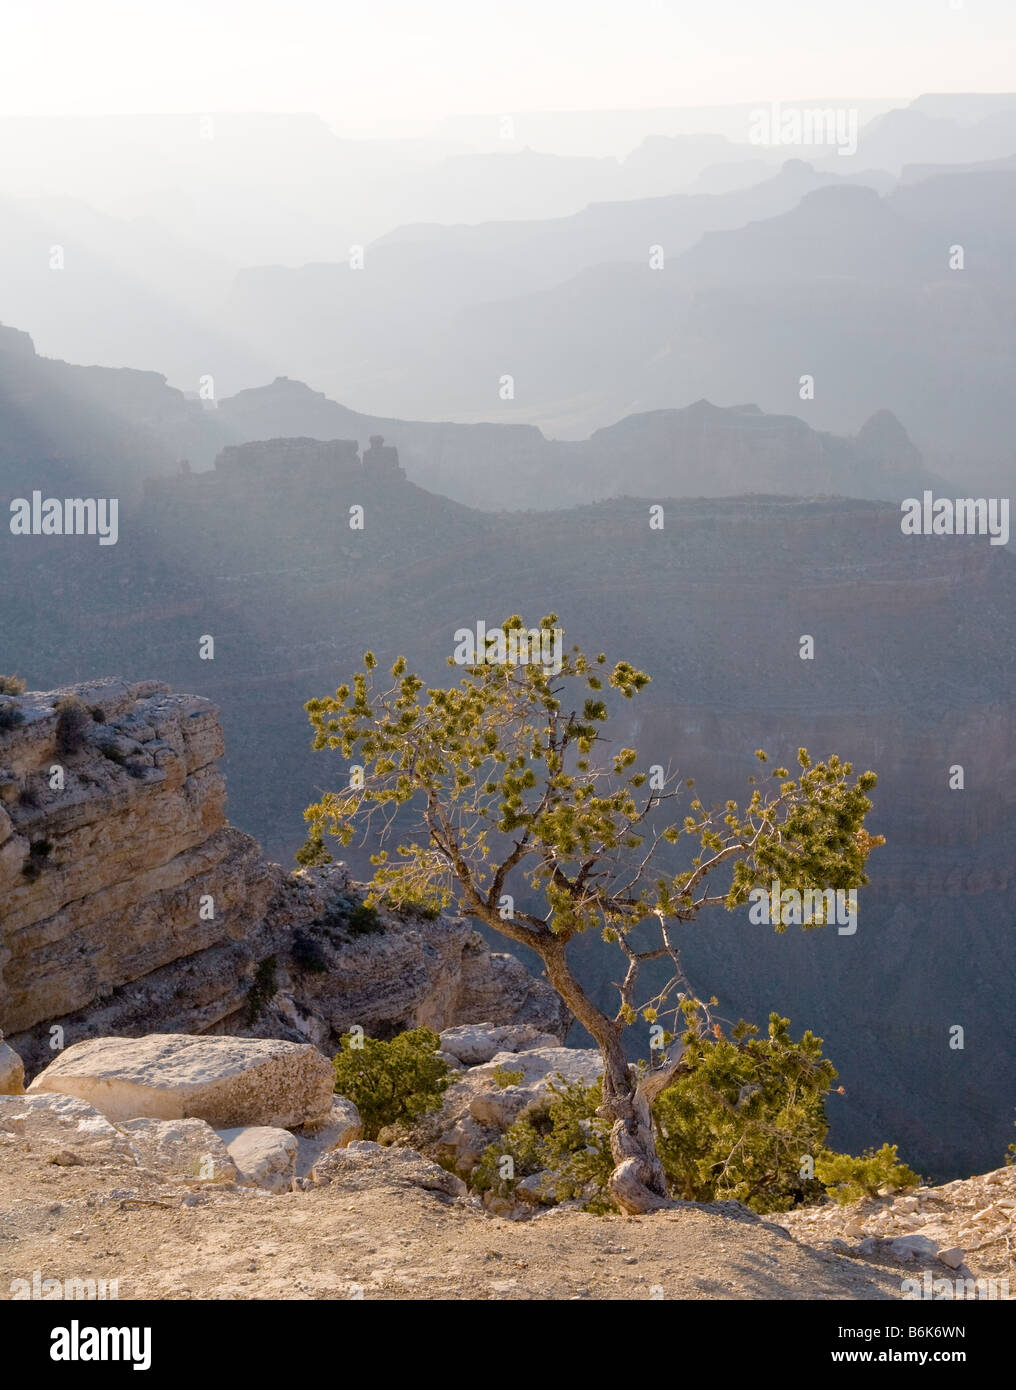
point(129, 905)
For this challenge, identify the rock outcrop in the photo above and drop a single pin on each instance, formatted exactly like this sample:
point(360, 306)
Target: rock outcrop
point(968, 1225)
point(172, 1076)
point(506, 1073)
point(153, 1103)
point(364, 1164)
point(129, 905)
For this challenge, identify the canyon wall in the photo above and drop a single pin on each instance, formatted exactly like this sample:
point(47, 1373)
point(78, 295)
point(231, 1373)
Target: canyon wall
point(128, 904)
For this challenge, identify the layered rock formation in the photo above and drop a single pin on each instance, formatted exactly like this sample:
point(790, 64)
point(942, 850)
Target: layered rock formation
point(129, 905)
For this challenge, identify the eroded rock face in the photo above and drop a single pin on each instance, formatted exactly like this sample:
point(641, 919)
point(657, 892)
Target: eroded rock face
point(115, 857)
point(228, 1082)
point(129, 906)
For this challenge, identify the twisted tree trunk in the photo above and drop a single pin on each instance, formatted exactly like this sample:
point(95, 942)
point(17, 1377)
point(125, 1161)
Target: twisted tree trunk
point(638, 1183)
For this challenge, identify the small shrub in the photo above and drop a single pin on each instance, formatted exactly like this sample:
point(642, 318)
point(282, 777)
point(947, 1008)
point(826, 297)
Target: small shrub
point(11, 685)
point(262, 991)
point(420, 909)
point(562, 1135)
point(848, 1179)
point(74, 721)
point(503, 1077)
point(391, 1082)
point(364, 920)
point(737, 1125)
point(98, 714)
point(114, 754)
point(313, 854)
point(38, 852)
point(10, 715)
point(307, 953)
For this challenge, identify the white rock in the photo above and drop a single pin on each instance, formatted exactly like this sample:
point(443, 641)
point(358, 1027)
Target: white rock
point(904, 1204)
point(914, 1246)
point(49, 1125)
point(265, 1156)
point(475, 1043)
point(477, 1107)
point(542, 1065)
point(189, 1150)
point(228, 1082)
point(12, 1072)
point(500, 1109)
point(986, 1214)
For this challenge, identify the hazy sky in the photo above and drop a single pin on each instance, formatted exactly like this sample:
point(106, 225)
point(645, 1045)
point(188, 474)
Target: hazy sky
point(360, 61)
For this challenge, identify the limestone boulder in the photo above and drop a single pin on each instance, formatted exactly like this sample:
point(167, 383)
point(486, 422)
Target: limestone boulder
point(228, 1082)
point(12, 1072)
point(265, 1155)
point(183, 1150)
point(61, 1129)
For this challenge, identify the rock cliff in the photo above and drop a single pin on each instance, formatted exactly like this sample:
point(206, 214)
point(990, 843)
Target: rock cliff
point(128, 904)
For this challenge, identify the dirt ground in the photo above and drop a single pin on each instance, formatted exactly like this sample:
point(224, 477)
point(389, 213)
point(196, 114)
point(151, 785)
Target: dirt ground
point(163, 1241)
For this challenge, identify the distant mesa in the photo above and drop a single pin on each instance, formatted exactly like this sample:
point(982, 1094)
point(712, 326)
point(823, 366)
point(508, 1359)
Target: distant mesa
point(304, 461)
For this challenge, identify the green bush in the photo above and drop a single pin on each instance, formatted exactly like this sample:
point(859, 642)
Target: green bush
point(745, 1123)
point(10, 715)
point(75, 719)
point(313, 853)
point(391, 1082)
point(741, 1123)
point(419, 908)
point(262, 991)
point(363, 920)
point(847, 1179)
point(562, 1135)
point(11, 685)
point(507, 1076)
point(308, 953)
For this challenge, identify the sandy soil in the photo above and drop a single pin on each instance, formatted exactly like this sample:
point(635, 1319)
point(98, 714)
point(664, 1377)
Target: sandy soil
point(386, 1241)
